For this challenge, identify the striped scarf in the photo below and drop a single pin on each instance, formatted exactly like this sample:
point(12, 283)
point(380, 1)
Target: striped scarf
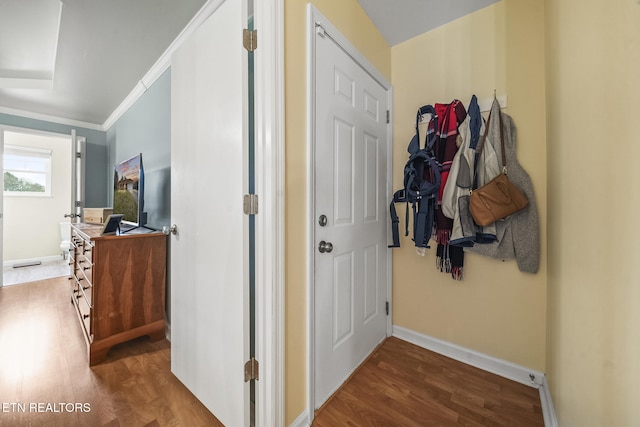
point(449, 259)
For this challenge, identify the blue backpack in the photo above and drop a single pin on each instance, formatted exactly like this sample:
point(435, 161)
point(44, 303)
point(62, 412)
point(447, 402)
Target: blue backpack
point(421, 185)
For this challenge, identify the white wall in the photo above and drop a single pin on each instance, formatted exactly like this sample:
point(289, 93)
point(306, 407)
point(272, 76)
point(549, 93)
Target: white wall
point(31, 224)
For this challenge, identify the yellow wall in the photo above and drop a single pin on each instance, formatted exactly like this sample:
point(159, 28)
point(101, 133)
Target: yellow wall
point(577, 319)
point(496, 309)
point(354, 24)
point(593, 54)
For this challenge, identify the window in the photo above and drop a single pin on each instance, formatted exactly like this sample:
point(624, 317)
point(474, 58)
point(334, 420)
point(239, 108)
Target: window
point(27, 171)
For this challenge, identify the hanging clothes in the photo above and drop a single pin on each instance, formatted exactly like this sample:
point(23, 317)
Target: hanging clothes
point(449, 259)
point(469, 168)
point(518, 234)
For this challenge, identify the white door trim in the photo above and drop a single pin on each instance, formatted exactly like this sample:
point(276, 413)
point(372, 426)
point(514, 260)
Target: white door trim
point(270, 228)
point(315, 20)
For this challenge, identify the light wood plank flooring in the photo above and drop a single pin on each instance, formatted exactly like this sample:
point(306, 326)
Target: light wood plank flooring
point(405, 385)
point(43, 368)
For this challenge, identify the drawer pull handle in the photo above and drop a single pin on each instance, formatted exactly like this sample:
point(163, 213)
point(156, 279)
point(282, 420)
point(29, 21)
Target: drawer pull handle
point(85, 316)
point(85, 288)
point(86, 268)
point(78, 296)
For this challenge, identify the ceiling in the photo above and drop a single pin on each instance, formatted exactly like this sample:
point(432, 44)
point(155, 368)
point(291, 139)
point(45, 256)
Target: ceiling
point(78, 60)
point(401, 20)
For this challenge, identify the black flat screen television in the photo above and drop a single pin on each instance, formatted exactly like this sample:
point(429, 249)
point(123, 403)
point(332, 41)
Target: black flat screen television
point(128, 192)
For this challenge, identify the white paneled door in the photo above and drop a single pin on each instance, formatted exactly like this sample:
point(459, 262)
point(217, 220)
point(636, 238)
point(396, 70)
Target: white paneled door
point(350, 176)
point(209, 254)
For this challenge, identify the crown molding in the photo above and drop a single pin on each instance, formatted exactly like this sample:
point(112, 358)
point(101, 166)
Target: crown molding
point(149, 78)
point(162, 63)
point(48, 118)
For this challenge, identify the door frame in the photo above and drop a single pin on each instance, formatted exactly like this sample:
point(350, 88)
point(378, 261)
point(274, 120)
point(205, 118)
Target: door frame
point(314, 20)
point(78, 178)
point(270, 222)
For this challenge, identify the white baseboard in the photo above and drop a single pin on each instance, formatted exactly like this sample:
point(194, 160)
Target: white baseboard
point(167, 330)
point(487, 363)
point(43, 260)
point(501, 367)
point(548, 410)
point(302, 420)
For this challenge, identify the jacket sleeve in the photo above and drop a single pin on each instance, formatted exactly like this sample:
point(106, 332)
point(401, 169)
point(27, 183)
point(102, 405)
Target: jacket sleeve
point(450, 194)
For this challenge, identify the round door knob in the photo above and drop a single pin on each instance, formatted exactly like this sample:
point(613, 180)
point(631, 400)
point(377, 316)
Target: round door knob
point(325, 247)
point(170, 230)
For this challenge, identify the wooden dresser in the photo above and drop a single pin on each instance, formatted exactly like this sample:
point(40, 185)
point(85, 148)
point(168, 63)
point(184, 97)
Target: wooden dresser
point(118, 286)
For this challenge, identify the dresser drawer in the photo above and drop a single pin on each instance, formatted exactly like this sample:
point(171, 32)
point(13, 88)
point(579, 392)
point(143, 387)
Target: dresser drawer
point(85, 314)
point(73, 284)
point(85, 271)
point(86, 289)
point(84, 267)
point(87, 251)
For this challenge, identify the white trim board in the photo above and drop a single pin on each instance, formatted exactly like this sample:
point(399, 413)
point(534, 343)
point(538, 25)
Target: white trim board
point(145, 82)
point(503, 368)
point(270, 227)
point(301, 421)
point(548, 410)
point(48, 118)
point(470, 357)
point(161, 64)
point(487, 363)
point(43, 260)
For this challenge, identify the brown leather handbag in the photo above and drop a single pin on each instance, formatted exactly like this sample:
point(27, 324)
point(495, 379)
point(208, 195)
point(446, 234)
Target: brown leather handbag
point(498, 198)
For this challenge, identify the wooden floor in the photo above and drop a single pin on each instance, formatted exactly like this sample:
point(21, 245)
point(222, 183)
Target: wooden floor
point(45, 379)
point(404, 385)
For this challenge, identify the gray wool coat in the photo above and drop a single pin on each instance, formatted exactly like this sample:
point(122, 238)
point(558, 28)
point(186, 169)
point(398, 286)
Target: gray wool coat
point(518, 234)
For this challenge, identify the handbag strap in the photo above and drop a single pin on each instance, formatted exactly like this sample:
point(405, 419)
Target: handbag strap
point(504, 156)
point(481, 146)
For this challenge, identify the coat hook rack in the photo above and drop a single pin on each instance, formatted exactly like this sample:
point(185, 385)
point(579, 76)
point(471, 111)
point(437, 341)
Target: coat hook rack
point(485, 104)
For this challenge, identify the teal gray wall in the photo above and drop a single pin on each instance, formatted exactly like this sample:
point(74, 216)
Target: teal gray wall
point(96, 195)
point(146, 128)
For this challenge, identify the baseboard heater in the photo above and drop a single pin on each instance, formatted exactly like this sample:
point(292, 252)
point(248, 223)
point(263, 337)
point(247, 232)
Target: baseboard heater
point(26, 264)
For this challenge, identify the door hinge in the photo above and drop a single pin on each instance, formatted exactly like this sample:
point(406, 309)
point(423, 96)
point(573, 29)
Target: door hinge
point(388, 114)
point(386, 307)
point(250, 39)
point(250, 204)
point(251, 370)
point(78, 155)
